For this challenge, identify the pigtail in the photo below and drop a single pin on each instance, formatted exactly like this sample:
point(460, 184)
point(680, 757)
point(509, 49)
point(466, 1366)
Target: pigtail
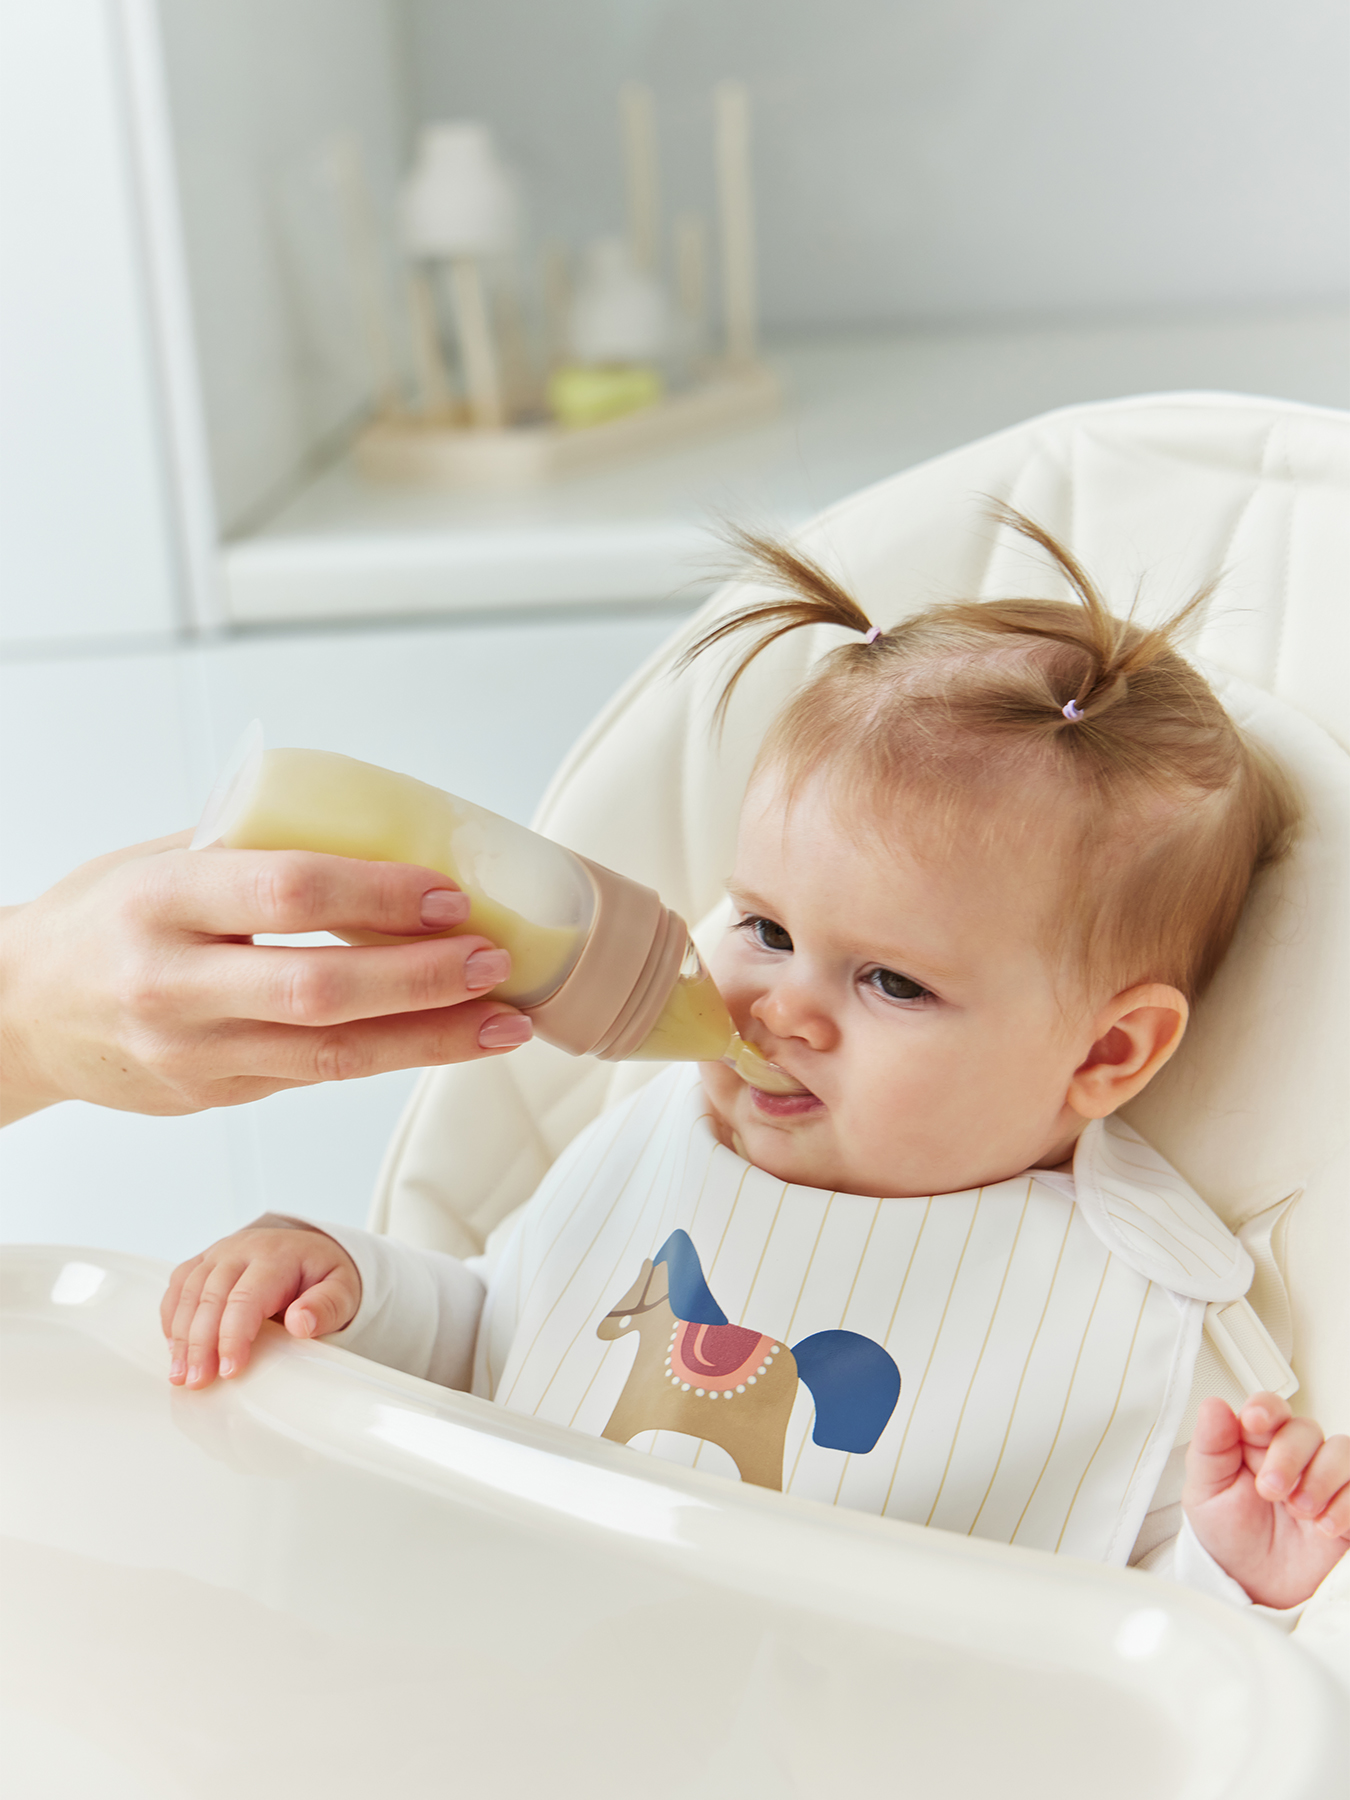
point(1113, 649)
point(1089, 679)
point(809, 597)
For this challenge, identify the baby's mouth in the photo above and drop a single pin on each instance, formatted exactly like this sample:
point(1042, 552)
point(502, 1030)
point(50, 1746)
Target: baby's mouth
point(785, 1106)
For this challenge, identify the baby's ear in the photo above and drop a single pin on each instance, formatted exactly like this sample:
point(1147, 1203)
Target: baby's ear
point(1135, 1033)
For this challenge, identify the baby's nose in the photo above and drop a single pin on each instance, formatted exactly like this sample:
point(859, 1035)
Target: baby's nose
point(789, 1009)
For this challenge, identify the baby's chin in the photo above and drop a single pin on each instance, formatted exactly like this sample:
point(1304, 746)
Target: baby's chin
point(777, 1144)
point(786, 1159)
point(800, 1149)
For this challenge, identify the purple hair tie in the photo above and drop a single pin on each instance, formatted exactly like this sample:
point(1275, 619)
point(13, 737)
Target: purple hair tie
point(873, 635)
point(1073, 712)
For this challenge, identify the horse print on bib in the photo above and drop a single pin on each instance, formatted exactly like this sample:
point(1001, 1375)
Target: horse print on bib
point(697, 1374)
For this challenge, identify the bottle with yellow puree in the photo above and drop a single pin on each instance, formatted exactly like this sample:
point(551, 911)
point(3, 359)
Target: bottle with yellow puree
point(600, 964)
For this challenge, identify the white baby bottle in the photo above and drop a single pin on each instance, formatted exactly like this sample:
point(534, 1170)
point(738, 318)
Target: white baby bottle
point(600, 964)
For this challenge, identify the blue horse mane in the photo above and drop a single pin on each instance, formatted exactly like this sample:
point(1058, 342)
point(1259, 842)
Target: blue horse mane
point(690, 1298)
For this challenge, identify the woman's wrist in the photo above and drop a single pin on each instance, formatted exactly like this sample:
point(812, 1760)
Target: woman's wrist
point(21, 1090)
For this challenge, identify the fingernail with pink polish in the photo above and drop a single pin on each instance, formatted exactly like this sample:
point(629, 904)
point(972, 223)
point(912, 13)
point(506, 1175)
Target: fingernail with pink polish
point(504, 1031)
point(485, 968)
point(444, 906)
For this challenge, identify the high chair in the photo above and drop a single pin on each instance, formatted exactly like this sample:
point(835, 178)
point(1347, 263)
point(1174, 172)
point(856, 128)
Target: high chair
point(328, 1574)
point(1156, 496)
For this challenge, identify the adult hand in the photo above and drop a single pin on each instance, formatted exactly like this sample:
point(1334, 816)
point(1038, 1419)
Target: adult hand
point(134, 983)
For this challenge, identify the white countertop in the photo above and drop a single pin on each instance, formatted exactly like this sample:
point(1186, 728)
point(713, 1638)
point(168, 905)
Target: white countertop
point(857, 408)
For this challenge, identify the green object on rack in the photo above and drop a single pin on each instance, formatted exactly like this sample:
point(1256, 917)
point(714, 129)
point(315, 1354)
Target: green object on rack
point(581, 394)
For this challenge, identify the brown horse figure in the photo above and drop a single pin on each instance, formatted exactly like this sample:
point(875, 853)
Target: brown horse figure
point(694, 1373)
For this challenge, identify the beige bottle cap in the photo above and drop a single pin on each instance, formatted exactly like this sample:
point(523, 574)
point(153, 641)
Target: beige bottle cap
point(620, 983)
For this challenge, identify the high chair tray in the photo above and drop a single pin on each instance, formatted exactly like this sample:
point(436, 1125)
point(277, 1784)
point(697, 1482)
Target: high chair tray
point(329, 1578)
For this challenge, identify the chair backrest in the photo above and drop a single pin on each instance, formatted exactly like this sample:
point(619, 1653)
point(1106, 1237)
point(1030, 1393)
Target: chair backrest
point(1156, 495)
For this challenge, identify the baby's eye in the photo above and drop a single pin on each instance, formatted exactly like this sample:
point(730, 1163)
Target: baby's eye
point(896, 986)
point(767, 933)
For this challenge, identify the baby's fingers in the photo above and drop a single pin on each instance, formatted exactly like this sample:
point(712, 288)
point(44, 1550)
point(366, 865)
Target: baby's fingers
point(326, 1307)
point(259, 1293)
point(1214, 1454)
point(1323, 1489)
point(202, 1335)
point(221, 1305)
point(1289, 1453)
point(168, 1306)
point(190, 1288)
point(1335, 1521)
point(1262, 1416)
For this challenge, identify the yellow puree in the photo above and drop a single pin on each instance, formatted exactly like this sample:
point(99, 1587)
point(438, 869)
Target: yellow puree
point(318, 800)
point(696, 1027)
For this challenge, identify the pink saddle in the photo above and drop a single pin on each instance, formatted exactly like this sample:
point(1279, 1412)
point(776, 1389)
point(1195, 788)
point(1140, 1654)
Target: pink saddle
point(725, 1356)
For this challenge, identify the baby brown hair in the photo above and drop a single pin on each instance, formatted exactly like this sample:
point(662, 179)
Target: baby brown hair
point(1086, 733)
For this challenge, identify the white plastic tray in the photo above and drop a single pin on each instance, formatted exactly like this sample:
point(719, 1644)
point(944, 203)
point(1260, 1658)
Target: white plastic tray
point(328, 1578)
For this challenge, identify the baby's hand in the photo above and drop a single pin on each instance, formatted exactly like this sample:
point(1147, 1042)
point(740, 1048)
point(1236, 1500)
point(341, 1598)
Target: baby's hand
point(216, 1302)
point(1267, 1497)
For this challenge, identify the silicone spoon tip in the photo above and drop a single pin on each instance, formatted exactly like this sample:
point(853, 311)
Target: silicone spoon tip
point(754, 1067)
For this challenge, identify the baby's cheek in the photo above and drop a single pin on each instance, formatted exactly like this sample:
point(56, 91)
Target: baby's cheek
point(720, 1086)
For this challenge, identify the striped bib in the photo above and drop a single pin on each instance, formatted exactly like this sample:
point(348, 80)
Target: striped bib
point(1007, 1362)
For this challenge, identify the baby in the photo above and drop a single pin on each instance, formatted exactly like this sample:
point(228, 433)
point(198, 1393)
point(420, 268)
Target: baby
point(987, 861)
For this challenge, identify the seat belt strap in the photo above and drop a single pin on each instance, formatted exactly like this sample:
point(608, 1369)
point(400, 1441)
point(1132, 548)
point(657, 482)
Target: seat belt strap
point(1247, 1348)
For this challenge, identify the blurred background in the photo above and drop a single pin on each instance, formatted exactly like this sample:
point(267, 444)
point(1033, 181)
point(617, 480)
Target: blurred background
point(213, 304)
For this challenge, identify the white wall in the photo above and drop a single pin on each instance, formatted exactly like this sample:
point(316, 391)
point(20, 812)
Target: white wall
point(88, 540)
point(980, 160)
point(259, 90)
point(927, 160)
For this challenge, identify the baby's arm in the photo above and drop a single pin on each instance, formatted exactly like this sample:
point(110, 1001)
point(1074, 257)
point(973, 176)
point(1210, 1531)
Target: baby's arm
point(1268, 1498)
point(397, 1304)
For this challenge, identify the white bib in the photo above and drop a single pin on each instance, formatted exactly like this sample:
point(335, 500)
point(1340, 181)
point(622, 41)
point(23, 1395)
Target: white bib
point(1006, 1362)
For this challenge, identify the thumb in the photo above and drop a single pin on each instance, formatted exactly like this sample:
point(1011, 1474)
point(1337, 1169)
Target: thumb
point(326, 1307)
point(1214, 1455)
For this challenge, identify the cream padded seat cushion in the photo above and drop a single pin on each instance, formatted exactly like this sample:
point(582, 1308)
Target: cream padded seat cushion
point(1156, 496)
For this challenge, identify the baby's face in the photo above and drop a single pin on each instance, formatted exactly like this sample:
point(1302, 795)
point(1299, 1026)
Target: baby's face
point(911, 997)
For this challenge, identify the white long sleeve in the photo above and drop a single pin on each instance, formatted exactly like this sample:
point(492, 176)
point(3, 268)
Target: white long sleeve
point(1184, 1559)
point(419, 1308)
